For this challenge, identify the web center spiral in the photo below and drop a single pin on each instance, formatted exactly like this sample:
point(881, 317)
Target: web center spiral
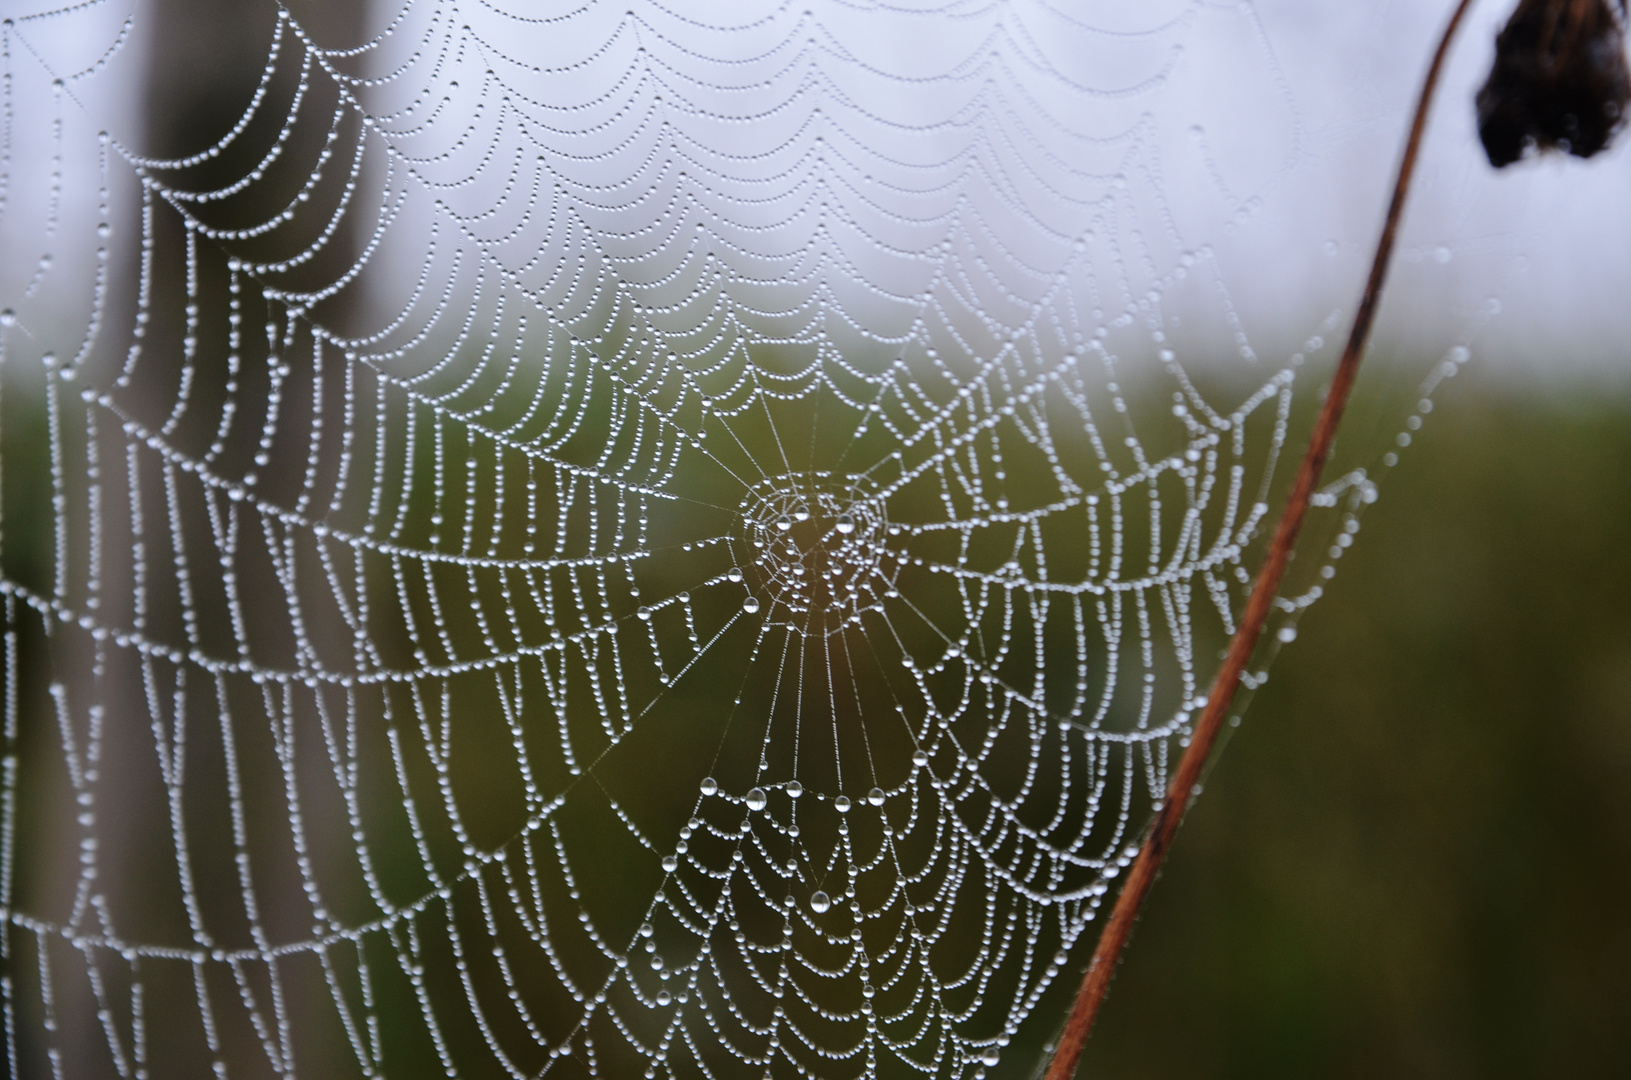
point(813, 549)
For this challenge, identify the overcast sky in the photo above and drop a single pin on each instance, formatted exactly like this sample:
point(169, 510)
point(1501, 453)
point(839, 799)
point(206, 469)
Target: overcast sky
point(1548, 238)
point(1292, 111)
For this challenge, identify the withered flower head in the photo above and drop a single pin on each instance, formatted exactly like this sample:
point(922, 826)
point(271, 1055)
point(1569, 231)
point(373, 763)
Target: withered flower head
point(1559, 82)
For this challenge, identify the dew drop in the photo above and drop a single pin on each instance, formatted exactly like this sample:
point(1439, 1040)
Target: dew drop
point(710, 786)
point(664, 997)
point(750, 605)
point(794, 789)
point(670, 864)
point(644, 614)
point(920, 758)
point(1288, 633)
point(7, 317)
point(733, 574)
point(841, 804)
point(875, 796)
point(784, 523)
point(820, 902)
point(846, 524)
point(756, 799)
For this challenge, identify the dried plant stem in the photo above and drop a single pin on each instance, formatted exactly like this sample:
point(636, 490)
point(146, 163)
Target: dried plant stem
point(1142, 874)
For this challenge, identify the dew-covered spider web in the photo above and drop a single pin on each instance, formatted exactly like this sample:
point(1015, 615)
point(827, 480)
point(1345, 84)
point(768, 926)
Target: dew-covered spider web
point(618, 539)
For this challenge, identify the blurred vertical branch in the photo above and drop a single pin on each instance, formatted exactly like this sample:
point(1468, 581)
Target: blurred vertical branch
point(204, 61)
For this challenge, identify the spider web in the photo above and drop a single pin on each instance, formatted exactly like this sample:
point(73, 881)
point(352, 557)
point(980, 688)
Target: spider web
point(615, 541)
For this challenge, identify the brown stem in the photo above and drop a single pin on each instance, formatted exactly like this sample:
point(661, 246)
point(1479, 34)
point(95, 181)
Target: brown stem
point(1144, 868)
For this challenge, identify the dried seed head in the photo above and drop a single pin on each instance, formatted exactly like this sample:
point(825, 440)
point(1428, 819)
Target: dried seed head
point(1559, 81)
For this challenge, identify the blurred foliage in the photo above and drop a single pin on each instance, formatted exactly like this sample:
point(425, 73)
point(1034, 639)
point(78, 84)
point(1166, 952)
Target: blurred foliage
point(1415, 857)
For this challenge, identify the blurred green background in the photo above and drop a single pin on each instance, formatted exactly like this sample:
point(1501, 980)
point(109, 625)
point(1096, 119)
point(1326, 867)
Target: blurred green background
point(1414, 858)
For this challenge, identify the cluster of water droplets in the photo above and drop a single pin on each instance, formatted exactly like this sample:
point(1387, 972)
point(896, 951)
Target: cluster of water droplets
point(605, 542)
point(816, 550)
